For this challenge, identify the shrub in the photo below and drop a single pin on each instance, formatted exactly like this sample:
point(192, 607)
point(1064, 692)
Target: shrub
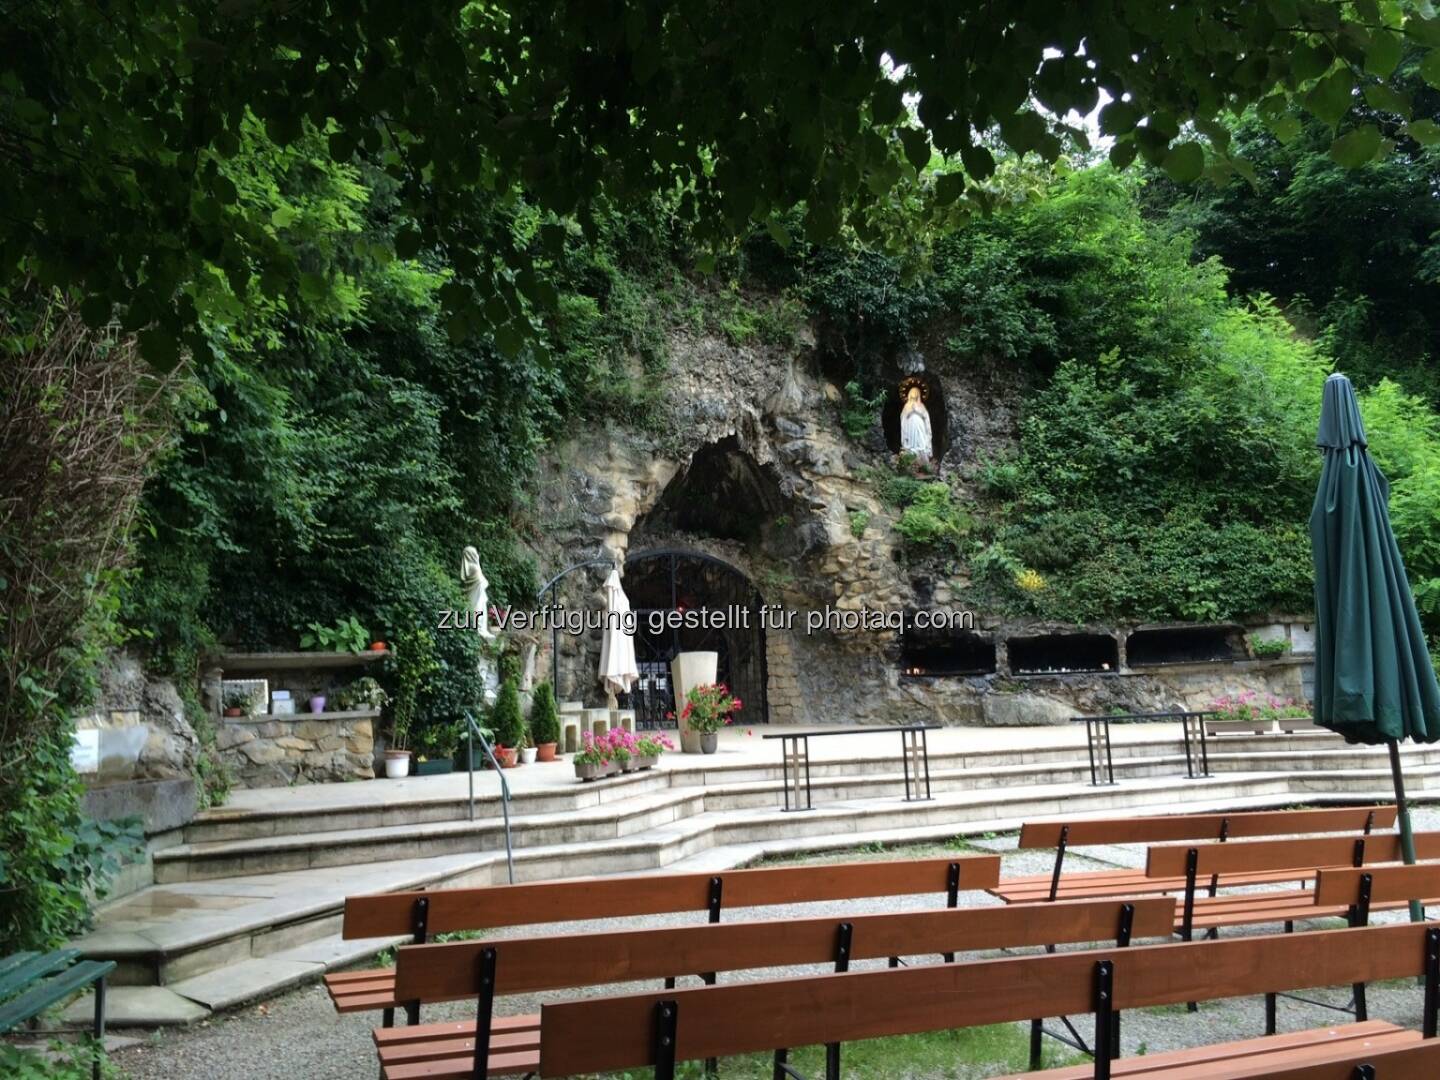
point(544, 720)
point(505, 718)
point(859, 414)
point(933, 520)
point(859, 521)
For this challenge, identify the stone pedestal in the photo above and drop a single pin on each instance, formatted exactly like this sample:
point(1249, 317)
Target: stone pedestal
point(688, 670)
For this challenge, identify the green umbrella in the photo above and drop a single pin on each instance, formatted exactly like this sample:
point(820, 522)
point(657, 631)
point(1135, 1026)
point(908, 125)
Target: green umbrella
point(1373, 679)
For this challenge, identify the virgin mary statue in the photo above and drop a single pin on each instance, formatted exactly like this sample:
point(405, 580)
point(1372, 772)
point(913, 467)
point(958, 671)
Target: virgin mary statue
point(915, 436)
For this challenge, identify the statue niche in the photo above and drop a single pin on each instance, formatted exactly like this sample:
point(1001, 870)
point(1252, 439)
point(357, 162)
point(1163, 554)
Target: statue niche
point(914, 420)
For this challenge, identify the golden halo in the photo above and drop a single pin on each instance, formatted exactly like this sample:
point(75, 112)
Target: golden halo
point(915, 382)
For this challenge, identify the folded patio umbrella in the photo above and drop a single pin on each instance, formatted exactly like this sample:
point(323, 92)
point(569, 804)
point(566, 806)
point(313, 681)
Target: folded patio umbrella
point(617, 646)
point(1374, 682)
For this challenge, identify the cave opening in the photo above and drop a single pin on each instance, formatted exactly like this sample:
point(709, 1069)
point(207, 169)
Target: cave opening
point(928, 654)
point(1184, 645)
point(1053, 654)
point(723, 493)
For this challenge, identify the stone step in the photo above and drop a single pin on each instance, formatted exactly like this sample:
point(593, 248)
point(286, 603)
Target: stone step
point(396, 806)
point(342, 847)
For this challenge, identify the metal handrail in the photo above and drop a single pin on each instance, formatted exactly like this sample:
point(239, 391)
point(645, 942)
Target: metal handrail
point(473, 732)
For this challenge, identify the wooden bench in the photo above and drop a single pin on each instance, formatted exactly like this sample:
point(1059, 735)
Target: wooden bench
point(1063, 835)
point(32, 982)
point(482, 970)
point(655, 1030)
point(1363, 887)
point(424, 914)
point(1297, 859)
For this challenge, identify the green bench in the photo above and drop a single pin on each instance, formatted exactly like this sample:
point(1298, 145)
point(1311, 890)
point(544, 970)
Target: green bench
point(32, 982)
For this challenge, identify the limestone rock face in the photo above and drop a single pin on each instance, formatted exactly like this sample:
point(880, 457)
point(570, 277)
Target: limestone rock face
point(1030, 710)
point(744, 458)
point(140, 724)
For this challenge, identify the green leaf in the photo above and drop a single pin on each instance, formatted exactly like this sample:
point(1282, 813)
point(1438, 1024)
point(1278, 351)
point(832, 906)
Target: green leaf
point(1330, 98)
point(1122, 154)
point(1118, 118)
point(1430, 68)
point(1385, 98)
point(159, 348)
point(1285, 128)
point(509, 338)
point(1356, 147)
point(917, 147)
point(949, 188)
point(778, 233)
point(1382, 55)
point(1184, 163)
point(978, 162)
point(1425, 132)
point(1310, 61)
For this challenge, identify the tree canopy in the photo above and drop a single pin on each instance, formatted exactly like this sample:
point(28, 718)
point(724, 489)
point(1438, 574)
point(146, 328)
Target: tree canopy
point(120, 125)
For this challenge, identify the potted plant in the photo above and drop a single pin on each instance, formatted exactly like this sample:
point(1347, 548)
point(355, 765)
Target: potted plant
point(432, 747)
point(397, 754)
point(527, 749)
point(591, 760)
point(544, 722)
point(237, 703)
point(363, 693)
point(509, 726)
point(622, 749)
point(378, 646)
point(708, 708)
point(317, 703)
point(649, 747)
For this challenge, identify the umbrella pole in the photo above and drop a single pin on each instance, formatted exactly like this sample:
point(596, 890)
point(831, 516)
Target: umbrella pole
point(1407, 833)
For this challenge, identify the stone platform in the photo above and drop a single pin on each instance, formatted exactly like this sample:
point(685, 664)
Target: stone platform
point(248, 896)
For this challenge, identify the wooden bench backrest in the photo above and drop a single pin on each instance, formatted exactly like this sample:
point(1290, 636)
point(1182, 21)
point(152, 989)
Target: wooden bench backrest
point(1387, 883)
point(1302, 854)
point(1158, 830)
point(389, 914)
point(450, 971)
point(613, 1033)
point(1418, 1061)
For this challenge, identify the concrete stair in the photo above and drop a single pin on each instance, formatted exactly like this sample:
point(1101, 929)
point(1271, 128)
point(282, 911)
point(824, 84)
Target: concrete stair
point(248, 903)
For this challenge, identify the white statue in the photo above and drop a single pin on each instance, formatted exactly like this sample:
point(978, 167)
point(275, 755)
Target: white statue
point(476, 588)
point(915, 427)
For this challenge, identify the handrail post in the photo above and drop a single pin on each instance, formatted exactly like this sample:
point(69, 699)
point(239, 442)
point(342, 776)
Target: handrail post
point(473, 732)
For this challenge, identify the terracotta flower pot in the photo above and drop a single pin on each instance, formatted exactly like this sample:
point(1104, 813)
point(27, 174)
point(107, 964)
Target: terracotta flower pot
point(545, 751)
point(234, 712)
point(506, 756)
point(378, 646)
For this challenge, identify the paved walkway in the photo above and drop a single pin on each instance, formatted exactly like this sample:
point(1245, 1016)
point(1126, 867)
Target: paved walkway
point(739, 745)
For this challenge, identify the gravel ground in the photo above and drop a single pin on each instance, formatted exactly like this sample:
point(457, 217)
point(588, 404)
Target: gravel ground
point(299, 1036)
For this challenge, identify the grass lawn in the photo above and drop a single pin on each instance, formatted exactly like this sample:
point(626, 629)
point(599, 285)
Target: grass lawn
point(936, 1055)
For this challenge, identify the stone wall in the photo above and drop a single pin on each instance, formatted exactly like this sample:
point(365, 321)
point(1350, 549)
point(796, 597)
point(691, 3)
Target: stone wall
point(305, 748)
